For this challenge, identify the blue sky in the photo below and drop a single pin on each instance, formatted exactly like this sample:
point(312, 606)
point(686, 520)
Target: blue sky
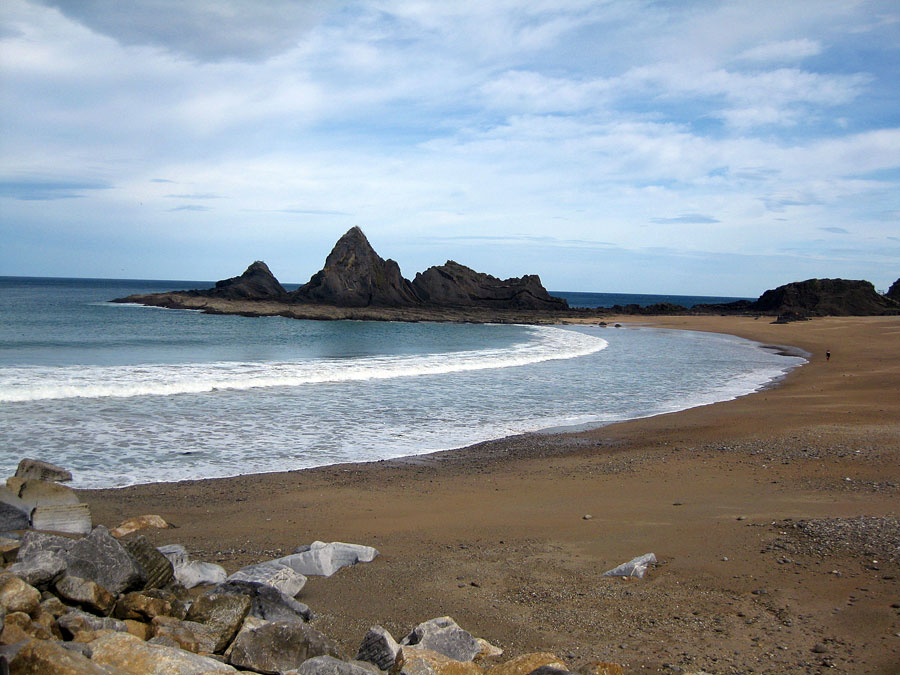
point(628, 146)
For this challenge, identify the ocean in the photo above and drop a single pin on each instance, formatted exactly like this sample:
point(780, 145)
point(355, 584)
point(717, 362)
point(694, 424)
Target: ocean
point(124, 394)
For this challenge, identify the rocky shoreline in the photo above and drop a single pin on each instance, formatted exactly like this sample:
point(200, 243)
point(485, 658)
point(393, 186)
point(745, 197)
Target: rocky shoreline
point(84, 599)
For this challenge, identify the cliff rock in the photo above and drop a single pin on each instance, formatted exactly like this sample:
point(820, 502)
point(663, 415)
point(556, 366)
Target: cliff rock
point(256, 283)
point(356, 276)
point(894, 291)
point(826, 297)
point(455, 285)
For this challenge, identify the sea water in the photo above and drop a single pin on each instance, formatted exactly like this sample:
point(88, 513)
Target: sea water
point(123, 394)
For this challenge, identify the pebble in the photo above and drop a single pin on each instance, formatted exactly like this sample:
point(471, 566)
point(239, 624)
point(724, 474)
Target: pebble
point(819, 648)
point(586, 516)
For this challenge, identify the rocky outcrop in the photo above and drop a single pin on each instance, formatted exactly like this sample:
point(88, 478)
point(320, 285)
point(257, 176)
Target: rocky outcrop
point(455, 285)
point(356, 276)
point(894, 291)
point(825, 297)
point(256, 283)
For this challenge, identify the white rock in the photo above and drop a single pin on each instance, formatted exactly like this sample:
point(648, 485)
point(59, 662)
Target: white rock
point(321, 559)
point(69, 518)
point(194, 573)
point(636, 567)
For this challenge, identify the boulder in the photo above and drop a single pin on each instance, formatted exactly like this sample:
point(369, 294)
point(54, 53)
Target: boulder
point(273, 574)
point(34, 542)
point(266, 602)
point(195, 573)
point(356, 276)
point(11, 498)
point(51, 658)
point(139, 629)
point(85, 593)
point(328, 665)
point(141, 607)
point(636, 567)
point(35, 468)
point(157, 569)
point(379, 648)
point(20, 624)
point(17, 596)
point(249, 624)
point(36, 492)
point(9, 548)
point(138, 523)
point(40, 570)
point(190, 635)
point(102, 559)
point(132, 655)
point(75, 622)
point(413, 661)
point(526, 663)
point(175, 553)
point(69, 518)
point(279, 646)
point(13, 518)
point(223, 612)
point(486, 650)
point(444, 636)
point(826, 297)
point(321, 559)
point(53, 606)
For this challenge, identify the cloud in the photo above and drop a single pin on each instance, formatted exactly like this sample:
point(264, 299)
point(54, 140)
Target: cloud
point(191, 207)
point(687, 218)
point(208, 30)
point(785, 50)
point(47, 189)
point(161, 180)
point(835, 230)
point(193, 196)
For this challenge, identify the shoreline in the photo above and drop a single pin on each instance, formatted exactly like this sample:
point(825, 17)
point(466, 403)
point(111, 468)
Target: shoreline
point(493, 534)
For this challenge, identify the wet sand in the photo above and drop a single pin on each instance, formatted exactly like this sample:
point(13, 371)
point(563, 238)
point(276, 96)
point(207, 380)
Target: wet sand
point(495, 535)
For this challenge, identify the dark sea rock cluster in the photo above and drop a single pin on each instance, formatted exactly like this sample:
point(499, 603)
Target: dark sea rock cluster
point(110, 603)
point(355, 275)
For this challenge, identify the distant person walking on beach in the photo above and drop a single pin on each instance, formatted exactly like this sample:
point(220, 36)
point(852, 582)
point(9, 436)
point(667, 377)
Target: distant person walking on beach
point(828, 355)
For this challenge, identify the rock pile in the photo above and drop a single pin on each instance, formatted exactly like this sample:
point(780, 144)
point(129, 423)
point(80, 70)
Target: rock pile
point(108, 602)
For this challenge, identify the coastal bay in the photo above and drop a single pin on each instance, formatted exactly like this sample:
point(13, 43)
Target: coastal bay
point(766, 513)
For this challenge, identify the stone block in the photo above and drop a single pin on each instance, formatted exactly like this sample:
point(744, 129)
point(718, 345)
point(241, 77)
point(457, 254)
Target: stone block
point(222, 611)
point(35, 468)
point(444, 636)
point(273, 574)
point(138, 523)
point(141, 607)
point(195, 573)
point(328, 665)
point(157, 568)
point(18, 596)
point(102, 559)
point(524, 664)
point(46, 493)
point(69, 518)
point(266, 602)
point(13, 518)
point(40, 570)
point(379, 648)
point(76, 621)
point(321, 559)
point(412, 661)
point(51, 658)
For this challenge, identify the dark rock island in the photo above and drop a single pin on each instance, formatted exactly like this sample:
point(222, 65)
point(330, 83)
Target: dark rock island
point(357, 283)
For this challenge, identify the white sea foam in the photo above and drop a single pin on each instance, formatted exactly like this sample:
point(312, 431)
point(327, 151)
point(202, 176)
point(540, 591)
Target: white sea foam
point(35, 383)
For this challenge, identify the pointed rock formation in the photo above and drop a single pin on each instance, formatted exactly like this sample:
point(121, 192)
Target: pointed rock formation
point(455, 285)
point(256, 283)
point(356, 276)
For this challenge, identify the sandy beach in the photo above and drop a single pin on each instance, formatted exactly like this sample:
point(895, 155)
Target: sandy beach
point(774, 517)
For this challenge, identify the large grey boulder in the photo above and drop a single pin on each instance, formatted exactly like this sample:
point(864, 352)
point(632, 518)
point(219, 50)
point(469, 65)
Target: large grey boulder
point(379, 648)
point(273, 574)
point(223, 612)
point(69, 518)
point(157, 569)
point(35, 468)
point(328, 665)
point(13, 517)
point(280, 646)
point(444, 636)
point(41, 569)
point(266, 602)
point(175, 553)
point(321, 559)
point(35, 542)
point(102, 559)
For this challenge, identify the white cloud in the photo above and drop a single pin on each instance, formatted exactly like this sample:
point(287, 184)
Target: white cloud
point(785, 50)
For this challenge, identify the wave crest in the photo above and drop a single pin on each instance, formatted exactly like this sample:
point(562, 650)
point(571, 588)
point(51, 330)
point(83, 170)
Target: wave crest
point(33, 383)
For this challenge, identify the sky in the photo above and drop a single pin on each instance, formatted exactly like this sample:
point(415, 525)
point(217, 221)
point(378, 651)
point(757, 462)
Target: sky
point(700, 148)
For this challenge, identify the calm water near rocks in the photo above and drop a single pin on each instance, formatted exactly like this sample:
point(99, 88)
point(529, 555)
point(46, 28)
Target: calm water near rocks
point(122, 394)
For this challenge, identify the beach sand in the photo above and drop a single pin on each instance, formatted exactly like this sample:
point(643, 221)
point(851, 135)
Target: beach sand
point(495, 535)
